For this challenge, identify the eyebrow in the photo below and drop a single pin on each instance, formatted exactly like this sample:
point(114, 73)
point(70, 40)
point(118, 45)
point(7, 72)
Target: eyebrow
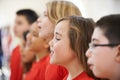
point(58, 33)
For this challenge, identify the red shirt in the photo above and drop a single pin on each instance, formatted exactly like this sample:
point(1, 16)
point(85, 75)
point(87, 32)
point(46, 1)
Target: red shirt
point(37, 72)
point(55, 72)
point(15, 65)
point(81, 76)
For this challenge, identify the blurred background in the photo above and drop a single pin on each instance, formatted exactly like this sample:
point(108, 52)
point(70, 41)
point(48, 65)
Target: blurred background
point(89, 8)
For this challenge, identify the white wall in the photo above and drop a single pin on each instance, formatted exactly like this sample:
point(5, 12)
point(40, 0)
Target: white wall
point(99, 8)
point(9, 7)
point(89, 8)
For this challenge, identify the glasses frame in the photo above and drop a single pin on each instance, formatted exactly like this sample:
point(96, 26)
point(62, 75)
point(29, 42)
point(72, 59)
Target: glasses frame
point(92, 45)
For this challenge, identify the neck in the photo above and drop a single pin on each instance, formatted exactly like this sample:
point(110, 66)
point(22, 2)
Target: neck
point(116, 73)
point(74, 68)
point(116, 77)
point(41, 55)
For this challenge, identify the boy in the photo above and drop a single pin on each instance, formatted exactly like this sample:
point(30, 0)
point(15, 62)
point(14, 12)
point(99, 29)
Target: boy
point(104, 50)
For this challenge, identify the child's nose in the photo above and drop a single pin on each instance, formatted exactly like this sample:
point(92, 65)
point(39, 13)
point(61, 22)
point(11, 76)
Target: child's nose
point(51, 43)
point(88, 53)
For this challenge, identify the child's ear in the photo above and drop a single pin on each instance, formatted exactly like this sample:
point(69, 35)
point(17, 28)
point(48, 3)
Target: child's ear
point(118, 55)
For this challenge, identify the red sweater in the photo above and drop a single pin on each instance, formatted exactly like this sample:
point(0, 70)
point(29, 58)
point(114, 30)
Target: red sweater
point(43, 70)
point(81, 76)
point(15, 65)
point(55, 72)
point(38, 69)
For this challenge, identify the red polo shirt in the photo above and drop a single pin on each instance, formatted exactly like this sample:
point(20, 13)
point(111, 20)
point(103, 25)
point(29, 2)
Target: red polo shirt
point(81, 76)
point(38, 69)
point(15, 65)
point(55, 72)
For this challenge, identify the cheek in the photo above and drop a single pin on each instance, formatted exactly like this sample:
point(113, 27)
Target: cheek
point(33, 43)
point(63, 54)
point(99, 59)
point(58, 52)
point(31, 56)
point(58, 48)
point(103, 61)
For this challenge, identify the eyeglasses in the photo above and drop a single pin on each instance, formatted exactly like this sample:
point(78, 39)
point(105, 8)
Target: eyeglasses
point(92, 46)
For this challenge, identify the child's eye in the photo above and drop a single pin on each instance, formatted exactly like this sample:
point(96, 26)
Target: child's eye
point(45, 15)
point(36, 35)
point(57, 39)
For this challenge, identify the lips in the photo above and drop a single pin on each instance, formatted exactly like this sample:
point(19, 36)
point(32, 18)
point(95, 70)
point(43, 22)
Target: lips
point(28, 43)
point(90, 64)
point(52, 52)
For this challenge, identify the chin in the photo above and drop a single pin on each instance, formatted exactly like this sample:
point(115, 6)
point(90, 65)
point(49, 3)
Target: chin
point(52, 61)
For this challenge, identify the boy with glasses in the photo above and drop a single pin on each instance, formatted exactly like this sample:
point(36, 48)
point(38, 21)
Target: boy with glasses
point(104, 50)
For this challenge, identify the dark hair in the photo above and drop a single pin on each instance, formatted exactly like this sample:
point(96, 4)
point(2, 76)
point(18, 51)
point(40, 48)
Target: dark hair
point(27, 65)
point(110, 25)
point(80, 32)
point(25, 35)
point(30, 15)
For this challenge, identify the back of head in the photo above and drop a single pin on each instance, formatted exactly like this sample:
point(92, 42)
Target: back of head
point(58, 9)
point(110, 25)
point(30, 15)
point(80, 32)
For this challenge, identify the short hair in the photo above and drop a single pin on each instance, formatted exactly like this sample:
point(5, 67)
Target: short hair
point(30, 15)
point(80, 32)
point(110, 25)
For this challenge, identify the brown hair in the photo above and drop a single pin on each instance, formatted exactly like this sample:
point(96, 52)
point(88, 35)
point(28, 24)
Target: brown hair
point(80, 32)
point(58, 9)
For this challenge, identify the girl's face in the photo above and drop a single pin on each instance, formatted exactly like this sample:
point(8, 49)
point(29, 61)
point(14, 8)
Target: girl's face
point(21, 25)
point(34, 42)
point(101, 59)
point(45, 25)
point(61, 53)
point(27, 56)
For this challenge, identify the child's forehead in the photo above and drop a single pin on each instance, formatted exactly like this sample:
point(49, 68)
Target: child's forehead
point(21, 18)
point(34, 26)
point(98, 35)
point(62, 25)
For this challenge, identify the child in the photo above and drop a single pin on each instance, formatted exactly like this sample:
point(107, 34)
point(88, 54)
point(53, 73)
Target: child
point(104, 50)
point(24, 18)
point(27, 57)
point(46, 27)
point(71, 37)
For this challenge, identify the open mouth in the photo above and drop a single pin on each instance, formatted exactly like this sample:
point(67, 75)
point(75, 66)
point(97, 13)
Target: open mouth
point(90, 65)
point(52, 52)
point(28, 43)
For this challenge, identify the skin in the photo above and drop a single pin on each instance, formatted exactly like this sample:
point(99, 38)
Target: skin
point(21, 25)
point(103, 61)
point(35, 43)
point(61, 52)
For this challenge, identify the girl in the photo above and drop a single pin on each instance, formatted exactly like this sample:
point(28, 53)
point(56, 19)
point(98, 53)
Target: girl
point(39, 46)
point(71, 37)
point(55, 10)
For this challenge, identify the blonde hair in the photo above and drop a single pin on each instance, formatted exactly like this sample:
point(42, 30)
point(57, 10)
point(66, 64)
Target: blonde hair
point(59, 9)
